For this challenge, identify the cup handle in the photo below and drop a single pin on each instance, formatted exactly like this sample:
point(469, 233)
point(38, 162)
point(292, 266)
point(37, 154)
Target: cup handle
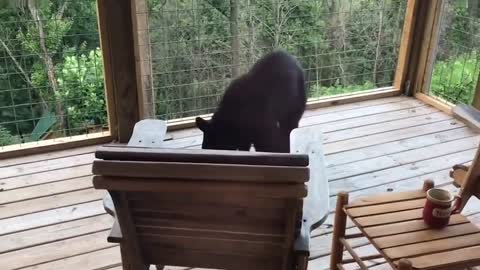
point(457, 204)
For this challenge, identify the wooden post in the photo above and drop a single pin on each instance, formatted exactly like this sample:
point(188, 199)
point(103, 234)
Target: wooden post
point(415, 50)
point(338, 230)
point(117, 42)
point(146, 95)
point(406, 44)
point(429, 46)
point(476, 97)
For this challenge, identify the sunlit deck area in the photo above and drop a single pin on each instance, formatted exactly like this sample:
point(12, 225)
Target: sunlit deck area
point(52, 218)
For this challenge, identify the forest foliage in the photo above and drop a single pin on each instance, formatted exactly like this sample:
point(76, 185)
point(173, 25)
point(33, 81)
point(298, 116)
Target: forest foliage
point(52, 72)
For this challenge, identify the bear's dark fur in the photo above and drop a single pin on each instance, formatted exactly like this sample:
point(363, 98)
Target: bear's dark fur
point(260, 108)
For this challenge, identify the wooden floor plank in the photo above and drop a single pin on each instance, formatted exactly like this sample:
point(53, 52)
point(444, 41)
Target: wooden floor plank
point(55, 232)
point(47, 156)
point(363, 131)
point(441, 178)
point(398, 159)
point(404, 107)
point(390, 136)
point(47, 165)
point(45, 177)
point(44, 190)
point(107, 258)
point(356, 105)
point(398, 146)
point(54, 251)
point(361, 121)
point(401, 172)
point(54, 216)
point(46, 203)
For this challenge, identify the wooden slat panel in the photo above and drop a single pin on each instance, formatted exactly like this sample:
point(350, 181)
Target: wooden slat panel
point(207, 187)
point(265, 226)
point(389, 218)
point(210, 233)
point(408, 226)
point(212, 245)
point(216, 210)
point(388, 198)
point(386, 208)
point(210, 216)
point(209, 260)
point(426, 235)
point(459, 257)
point(200, 156)
point(433, 246)
point(202, 171)
point(154, 201)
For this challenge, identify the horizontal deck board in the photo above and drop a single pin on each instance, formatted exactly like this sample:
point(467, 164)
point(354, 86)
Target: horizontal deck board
point(45, 177)
point(52, 202)
point(48, 189)
point(54, 232)
point(52, 216)
point(108, 258)
point(55, 250)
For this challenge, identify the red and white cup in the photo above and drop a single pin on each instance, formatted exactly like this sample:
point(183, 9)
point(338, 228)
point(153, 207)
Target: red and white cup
point(440, 205)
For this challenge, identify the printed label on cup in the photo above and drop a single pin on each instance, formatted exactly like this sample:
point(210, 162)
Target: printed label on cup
point(441, 213)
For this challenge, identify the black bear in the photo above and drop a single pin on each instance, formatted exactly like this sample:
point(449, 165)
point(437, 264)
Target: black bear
point(260, 107)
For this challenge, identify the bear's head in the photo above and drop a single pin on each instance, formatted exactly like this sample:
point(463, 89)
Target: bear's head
point(221, 136)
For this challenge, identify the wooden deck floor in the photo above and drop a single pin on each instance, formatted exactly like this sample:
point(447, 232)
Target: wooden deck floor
point(52, 218)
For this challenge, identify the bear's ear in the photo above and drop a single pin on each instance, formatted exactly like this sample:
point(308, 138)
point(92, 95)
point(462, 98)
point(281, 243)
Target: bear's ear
point(202, 124)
